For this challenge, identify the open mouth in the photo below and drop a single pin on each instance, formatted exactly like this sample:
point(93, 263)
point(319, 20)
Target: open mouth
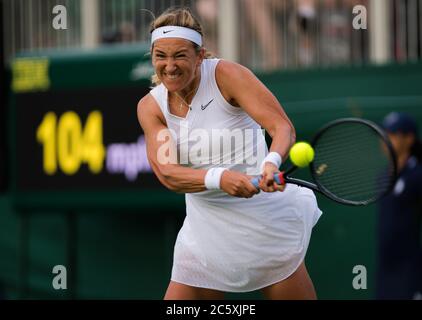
point(172, 76)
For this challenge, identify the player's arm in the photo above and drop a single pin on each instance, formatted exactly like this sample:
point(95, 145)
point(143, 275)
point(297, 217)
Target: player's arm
point(242, 88)
point(172, 175)
point(162, 152)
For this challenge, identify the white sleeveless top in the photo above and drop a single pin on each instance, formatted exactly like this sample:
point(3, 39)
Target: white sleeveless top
point(228, 243)
point(214, 121)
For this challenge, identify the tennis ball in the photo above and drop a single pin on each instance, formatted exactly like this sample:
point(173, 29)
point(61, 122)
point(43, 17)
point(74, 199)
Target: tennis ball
point(301, 154)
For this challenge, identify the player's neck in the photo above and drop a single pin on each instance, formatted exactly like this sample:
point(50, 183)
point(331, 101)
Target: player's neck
point(190, 90)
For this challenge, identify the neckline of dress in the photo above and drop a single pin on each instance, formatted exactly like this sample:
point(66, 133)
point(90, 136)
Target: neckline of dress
point(192, 102)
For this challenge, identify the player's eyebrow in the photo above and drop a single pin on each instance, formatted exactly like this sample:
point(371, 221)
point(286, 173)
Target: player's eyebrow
point(177, 52)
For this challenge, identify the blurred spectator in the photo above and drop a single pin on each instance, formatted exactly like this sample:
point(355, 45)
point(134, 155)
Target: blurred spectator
point(399, 265)
point(266, 17)
point(290, 32)
point(335, 31)
point(208, 11)
point(125, 33)
point(339, 42)
point(110, 36)
point(306, 20)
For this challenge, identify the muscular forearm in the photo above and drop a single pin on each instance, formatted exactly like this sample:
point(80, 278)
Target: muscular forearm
point(283, 137)
point(181, 179)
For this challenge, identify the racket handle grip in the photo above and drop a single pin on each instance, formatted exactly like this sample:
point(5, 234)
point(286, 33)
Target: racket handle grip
point(278, 178)
point(255, 181)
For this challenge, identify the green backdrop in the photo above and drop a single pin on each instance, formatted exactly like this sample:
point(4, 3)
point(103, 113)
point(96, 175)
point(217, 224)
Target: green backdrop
point(123, 249)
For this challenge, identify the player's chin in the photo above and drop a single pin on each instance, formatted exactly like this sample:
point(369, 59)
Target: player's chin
point(172, 86)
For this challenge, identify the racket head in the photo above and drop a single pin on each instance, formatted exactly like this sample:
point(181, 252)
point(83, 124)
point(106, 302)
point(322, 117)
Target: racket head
point(354, 162)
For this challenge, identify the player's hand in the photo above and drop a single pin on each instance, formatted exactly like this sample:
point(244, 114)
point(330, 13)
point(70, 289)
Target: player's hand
point(237, 184)
point(267, 183)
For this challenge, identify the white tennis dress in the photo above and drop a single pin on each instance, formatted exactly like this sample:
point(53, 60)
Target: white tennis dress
point(228, 243)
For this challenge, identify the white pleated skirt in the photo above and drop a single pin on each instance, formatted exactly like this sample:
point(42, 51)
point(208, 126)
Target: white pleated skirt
point(238, 245)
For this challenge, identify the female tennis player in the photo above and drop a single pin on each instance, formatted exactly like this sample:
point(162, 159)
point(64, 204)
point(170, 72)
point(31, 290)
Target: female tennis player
point(234, 238)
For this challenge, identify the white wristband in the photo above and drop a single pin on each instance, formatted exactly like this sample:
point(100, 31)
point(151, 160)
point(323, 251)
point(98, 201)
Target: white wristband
point(213, 177)
point(273, 157)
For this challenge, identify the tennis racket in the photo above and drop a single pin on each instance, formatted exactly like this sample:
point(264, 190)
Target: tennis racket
point(354, 163)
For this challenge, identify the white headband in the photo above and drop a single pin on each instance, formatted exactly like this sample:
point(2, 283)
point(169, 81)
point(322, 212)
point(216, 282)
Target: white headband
point(176, 32)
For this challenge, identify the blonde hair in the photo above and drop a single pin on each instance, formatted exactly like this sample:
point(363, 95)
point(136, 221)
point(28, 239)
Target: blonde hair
point(181, 17)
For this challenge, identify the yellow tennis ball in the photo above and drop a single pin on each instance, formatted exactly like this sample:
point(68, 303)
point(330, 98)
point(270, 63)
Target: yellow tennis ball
point(302, 154)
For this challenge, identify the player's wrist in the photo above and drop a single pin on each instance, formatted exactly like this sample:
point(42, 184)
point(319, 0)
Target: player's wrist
point(272, 157)
point(212, 178)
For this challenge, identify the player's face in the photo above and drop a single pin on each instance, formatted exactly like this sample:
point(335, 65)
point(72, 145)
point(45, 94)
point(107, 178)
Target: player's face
point(176, 63)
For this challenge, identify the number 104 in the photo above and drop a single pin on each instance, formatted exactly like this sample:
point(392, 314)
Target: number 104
point(67, 145)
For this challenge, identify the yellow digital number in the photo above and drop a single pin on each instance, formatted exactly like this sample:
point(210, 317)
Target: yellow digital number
point(46, 135)
point(69, 142)
point(93, 148)
point(66, 145)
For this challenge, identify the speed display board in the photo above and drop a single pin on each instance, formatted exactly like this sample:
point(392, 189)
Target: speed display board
point(81, 139)
point(76, 139)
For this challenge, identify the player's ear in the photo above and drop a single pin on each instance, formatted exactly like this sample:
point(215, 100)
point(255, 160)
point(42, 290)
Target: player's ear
point(201, 56)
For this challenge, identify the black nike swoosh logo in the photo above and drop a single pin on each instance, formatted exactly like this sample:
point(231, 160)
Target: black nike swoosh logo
point(167, 31)
point(204, 107)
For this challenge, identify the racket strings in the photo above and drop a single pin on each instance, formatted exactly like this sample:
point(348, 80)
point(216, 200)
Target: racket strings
point(352, 162)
